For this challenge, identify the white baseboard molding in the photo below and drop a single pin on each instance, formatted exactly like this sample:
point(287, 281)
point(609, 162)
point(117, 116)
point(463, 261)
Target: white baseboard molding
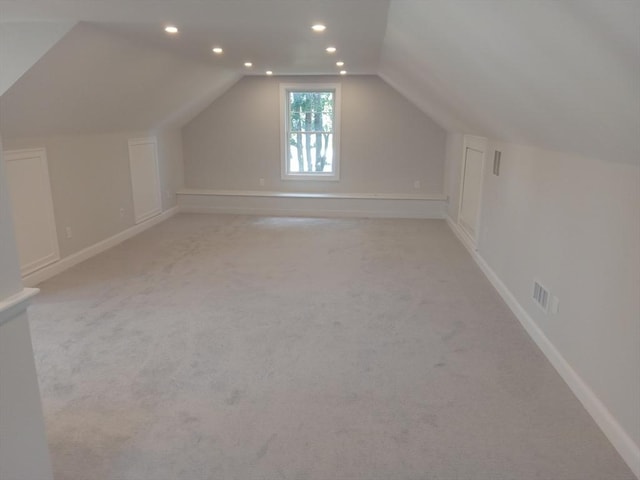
point(616, 434)
point(14, 305)
point(65, 263)
point(312, 204)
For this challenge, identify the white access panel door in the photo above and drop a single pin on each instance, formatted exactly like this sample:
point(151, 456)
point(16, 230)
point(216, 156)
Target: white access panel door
point(32, 206)
point(471, 188)
point(145, 178)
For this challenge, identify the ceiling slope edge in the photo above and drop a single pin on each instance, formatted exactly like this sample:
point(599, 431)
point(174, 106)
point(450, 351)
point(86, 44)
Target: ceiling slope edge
point(22, 44)
point(190, 110)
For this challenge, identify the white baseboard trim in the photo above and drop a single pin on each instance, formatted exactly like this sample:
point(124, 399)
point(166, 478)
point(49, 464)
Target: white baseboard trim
point(14, 305)
point(60, 266)
point(312, 204)
point(616, 434)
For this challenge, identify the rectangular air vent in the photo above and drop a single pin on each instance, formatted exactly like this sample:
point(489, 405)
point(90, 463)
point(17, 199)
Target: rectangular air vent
point(541, 296)
point(497, 156)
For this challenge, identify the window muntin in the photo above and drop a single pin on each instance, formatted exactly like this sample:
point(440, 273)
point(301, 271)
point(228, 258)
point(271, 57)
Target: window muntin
point(310, 140)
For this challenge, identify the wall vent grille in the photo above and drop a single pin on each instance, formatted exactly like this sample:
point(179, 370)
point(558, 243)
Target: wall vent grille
point(497, 157)
point(541, 296)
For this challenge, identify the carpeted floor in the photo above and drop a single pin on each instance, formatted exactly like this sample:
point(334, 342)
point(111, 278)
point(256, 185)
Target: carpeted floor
point(229, 347)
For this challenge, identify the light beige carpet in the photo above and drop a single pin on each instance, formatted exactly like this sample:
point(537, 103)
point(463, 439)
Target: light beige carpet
point(228, 347)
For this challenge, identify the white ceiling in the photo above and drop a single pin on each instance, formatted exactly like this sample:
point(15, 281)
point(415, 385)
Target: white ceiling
point(94, 81)
point(560, 74)
point(563, 75)
point(273, 34)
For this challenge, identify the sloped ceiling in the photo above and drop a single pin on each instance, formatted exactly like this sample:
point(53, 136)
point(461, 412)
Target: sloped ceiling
point(118, 70)
point(273, 34)
point(94, 80)
point(23, 43)
point(563, 75)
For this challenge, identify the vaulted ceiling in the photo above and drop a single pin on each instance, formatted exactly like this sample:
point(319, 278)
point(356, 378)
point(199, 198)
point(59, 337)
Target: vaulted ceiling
point(95, 81)
point(559, 74)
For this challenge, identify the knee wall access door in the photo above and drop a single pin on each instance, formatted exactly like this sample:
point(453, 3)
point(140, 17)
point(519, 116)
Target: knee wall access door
point(471, 186)
point(32, 207)
point(145, 178)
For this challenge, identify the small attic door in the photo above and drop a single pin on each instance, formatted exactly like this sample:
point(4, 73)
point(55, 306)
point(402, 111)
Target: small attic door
point(471, 186)
point(32, 204)
point(145, 178)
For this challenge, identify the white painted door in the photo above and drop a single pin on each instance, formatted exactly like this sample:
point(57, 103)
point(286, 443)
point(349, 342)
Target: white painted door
point(145, 178)
point(32, 205)
point(471, 186)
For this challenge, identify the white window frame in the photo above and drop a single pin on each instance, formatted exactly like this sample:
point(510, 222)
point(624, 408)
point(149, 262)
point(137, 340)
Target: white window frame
point(285, 88)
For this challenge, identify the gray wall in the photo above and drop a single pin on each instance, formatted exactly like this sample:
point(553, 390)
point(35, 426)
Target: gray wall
point(572, 223)
point(10, 282)
point(453, 168)
point(91, 182)
point(171, 165)
point(386, 142)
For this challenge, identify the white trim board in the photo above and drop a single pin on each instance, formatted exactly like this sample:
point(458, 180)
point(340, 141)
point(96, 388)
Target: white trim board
point(14, 305)
point(266, 193)
point(616, 434)
point(49, 271)
point(312, 204)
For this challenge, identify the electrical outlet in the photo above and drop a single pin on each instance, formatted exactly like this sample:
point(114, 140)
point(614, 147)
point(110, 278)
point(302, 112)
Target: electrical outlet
point(262, 182)
point(69, 232)
point(121, 212)
point(416, 184)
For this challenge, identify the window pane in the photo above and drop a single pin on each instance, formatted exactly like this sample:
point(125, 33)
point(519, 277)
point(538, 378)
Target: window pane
point(311, 111)
point(327, 122)
point(310, 153)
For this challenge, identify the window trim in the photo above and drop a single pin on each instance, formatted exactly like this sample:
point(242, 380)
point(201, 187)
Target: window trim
point(285, 88)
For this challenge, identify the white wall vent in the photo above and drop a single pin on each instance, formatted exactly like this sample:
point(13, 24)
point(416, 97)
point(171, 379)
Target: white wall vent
point(497, 157)
point(541, 296)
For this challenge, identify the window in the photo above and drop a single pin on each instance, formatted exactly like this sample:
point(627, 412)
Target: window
point(310, 118)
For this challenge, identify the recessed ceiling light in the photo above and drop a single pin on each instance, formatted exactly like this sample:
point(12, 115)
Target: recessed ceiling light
point(339, 64)
point(171, 29)
point(318, 27)
point(331, 49)
point(269, 72)
point(217, 50)
point(248, 64)
point(343, 72)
